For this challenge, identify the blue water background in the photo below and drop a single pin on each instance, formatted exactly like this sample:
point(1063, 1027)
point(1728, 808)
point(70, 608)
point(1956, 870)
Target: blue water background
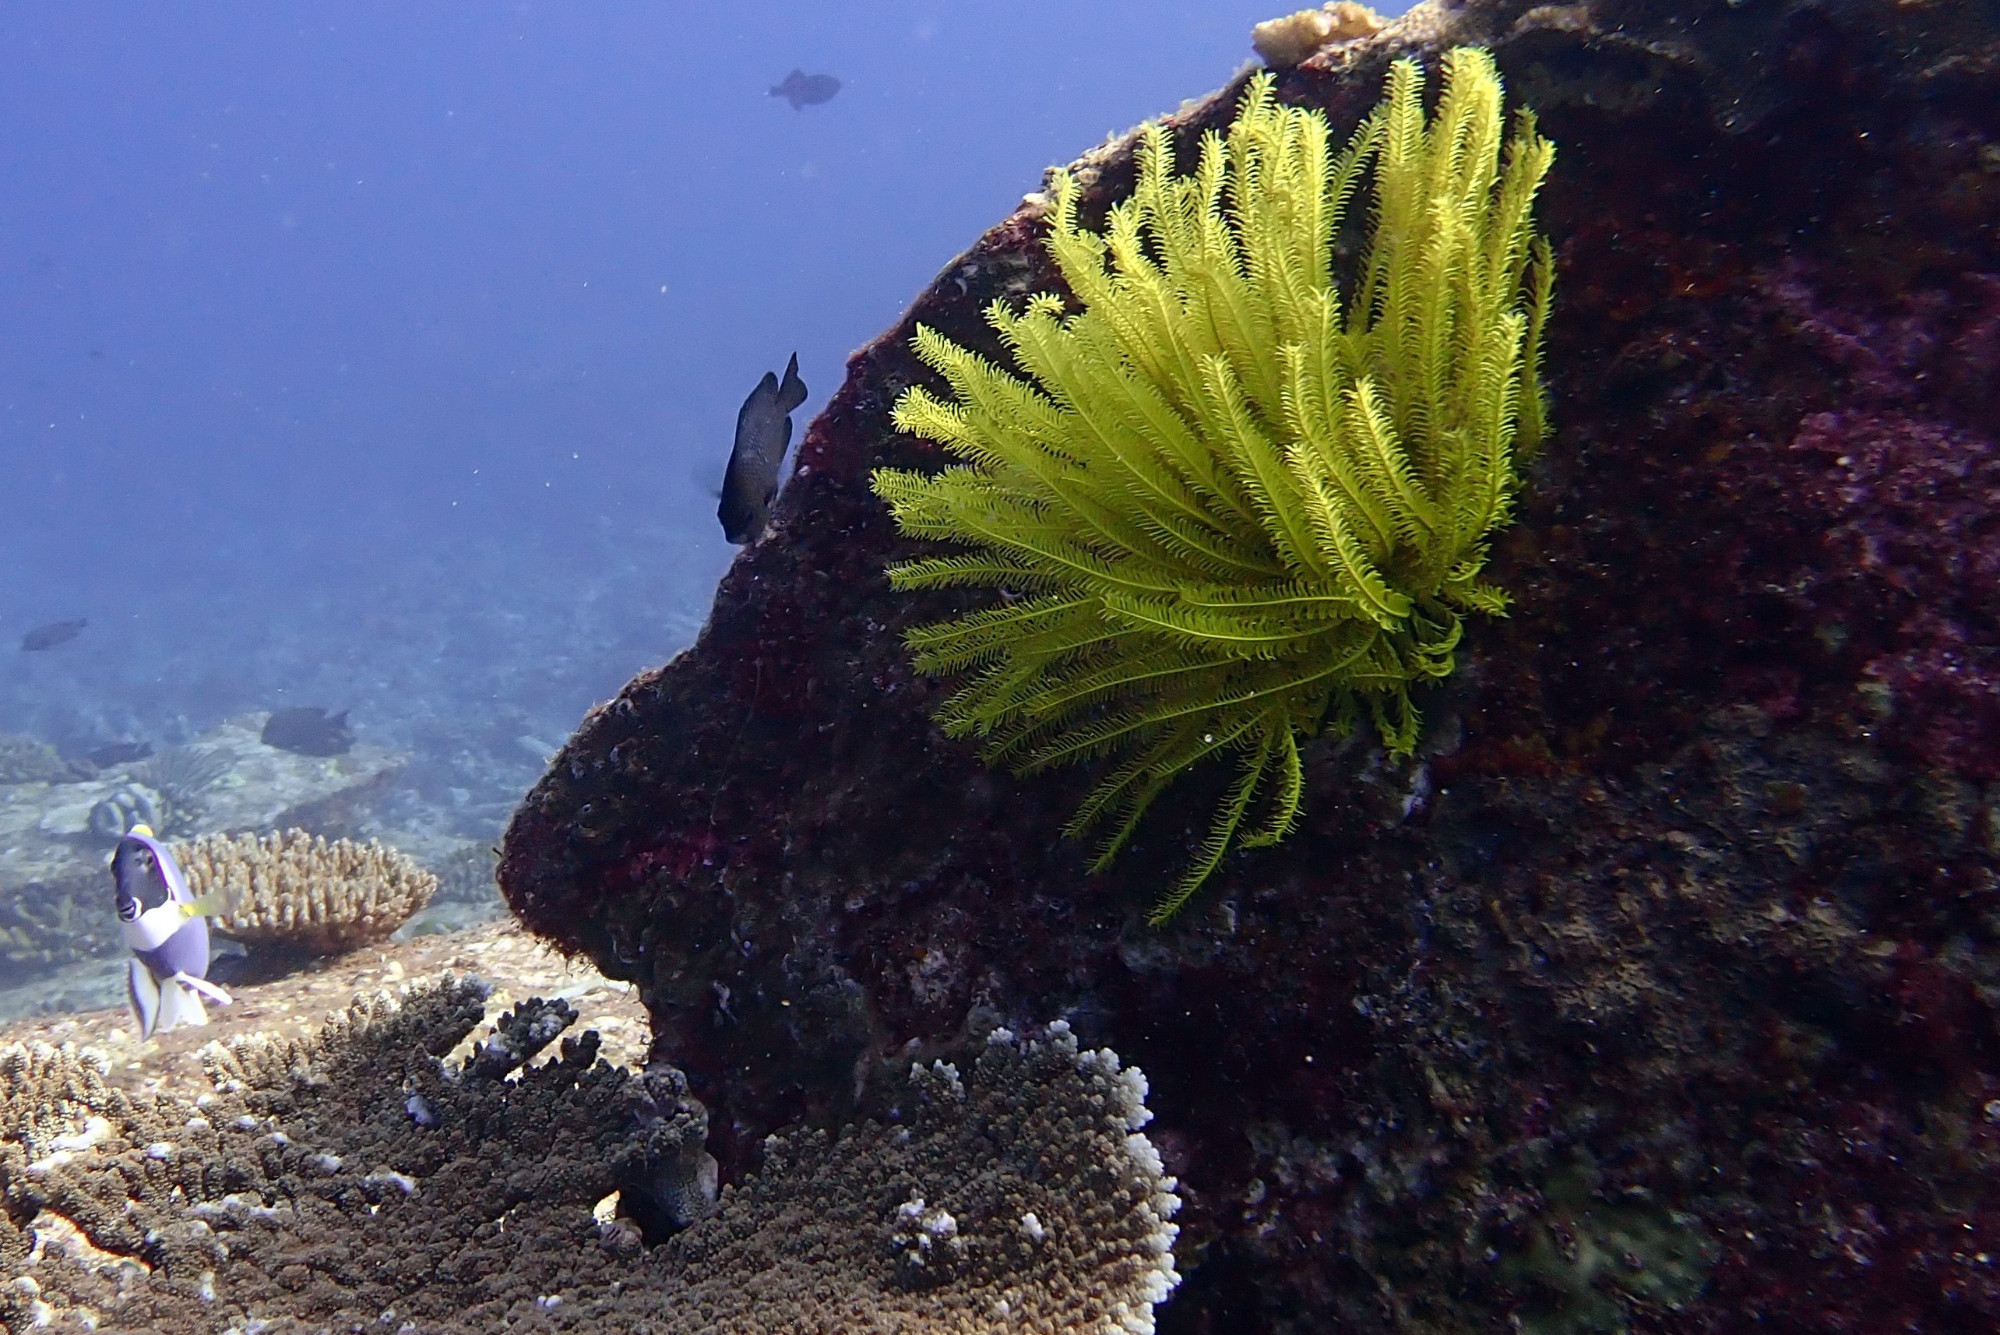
point(381, 356)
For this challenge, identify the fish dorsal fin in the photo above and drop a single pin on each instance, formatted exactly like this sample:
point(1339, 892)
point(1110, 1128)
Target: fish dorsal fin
point(793, 392)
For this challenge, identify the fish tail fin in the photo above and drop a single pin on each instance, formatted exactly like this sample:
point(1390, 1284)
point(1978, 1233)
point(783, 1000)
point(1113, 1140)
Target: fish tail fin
point(142, 995)
point(180, 1006)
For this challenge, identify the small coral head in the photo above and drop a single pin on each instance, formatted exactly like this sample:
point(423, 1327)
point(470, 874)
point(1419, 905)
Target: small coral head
point(1239, 499)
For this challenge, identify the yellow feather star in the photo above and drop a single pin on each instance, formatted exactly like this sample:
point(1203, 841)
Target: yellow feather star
point(1240, 500)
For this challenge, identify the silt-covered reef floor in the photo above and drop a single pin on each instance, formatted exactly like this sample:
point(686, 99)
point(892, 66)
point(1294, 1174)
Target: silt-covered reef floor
point(1657, 990)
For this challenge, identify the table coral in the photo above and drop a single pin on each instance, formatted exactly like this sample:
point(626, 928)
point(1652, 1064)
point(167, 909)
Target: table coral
point(355, 1177)
point(298, 893)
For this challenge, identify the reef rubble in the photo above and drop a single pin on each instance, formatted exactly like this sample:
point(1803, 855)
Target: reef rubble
point(1659, 989)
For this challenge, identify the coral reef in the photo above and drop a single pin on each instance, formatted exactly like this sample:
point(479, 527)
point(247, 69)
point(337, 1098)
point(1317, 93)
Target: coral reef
point(466, 895)
point(360, 1176)
point(1294, 39)
point(1239, 501)
point(123, 807)
point(182, 777)
point(1019, 1197)
point(302, 894)
point(59, 921)
point(1693, 877)
point(165, 792)
point(25, 760)
point(295, 1003)
point(467, 875)
point(302, 1187)
point(224, 780)
point(59, 944)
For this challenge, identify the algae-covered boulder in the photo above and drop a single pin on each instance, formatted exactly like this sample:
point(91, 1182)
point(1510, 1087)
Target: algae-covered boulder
point(1656, 987)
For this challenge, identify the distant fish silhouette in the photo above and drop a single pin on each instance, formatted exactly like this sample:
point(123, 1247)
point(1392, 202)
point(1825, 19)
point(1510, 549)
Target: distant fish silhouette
point(309, 732)
point(804, 90)
point(118, 753)
point(763, 431)
point(51, 635)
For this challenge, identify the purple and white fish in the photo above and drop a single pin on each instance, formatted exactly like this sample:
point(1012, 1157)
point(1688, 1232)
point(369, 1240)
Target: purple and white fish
point(166, 928)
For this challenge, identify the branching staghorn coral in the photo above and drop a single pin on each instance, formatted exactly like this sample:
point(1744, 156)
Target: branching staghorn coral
point(1239, 500)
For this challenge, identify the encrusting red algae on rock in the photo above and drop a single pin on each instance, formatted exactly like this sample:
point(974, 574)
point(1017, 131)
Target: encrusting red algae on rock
point(1653, 990)
point(1676, 938)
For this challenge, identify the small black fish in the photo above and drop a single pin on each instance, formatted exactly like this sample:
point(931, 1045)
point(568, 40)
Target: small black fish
point(763, 432)
point(804, 90)
point(309, 732)
point(51, 635)
point(118, 753)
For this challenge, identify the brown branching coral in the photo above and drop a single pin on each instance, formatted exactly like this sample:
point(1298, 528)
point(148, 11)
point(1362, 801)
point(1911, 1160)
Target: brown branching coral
point(300, 893)
point(358, 1179)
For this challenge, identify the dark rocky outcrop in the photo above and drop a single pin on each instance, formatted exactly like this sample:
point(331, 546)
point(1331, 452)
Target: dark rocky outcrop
point(1659, 990)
